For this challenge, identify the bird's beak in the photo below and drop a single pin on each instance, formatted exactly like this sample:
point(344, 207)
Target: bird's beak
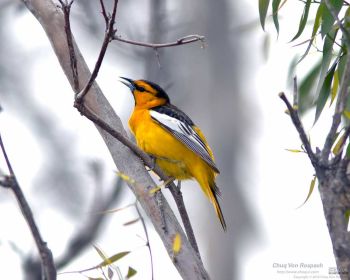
point(129, 83)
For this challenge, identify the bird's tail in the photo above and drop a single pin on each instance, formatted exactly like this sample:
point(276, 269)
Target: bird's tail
point(213, 192)
point(213, 196)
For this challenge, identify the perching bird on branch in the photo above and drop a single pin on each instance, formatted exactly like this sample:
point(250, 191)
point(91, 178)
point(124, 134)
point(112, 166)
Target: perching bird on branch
point(168, 135)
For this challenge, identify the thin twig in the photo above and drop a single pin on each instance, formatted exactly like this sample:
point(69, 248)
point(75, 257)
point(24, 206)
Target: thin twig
point(299, 126)
point(66, 12)
point(47, 263)
point(104, 13)
point(177, 194)
point(295, 93)
point(182, 41)
point(109, 33)
point(339, 108)
point(147, 238)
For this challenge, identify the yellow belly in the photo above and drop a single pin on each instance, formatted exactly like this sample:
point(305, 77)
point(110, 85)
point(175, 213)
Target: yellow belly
point(171, 155)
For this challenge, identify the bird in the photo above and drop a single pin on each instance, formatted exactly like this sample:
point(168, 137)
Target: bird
point(172, 139)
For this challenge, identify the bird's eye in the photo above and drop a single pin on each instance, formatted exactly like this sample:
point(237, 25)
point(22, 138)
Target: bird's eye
point(140, 88)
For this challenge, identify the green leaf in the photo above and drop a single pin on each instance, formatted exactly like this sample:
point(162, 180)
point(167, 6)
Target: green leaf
point(311, 188)
point(275, 8)
point(306, 88)
point(303, 19)
point(336, 149)
point(294, 150)
point(131, 272)
point(327, 52)
point(99, 251)
point(327, 18)
point(315, 28)
point(263, 7)
point(335, 86)
point(324, 93)
point(348, 151)
point(113, 258)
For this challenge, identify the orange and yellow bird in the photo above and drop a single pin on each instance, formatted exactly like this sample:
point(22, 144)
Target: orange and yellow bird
point(168, 135)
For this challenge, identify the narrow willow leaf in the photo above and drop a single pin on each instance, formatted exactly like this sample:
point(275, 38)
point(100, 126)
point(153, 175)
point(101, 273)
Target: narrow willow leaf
point(306, 86)
point(294, 150)
point(338, 145)
point(315, 28)
point(348, 151)
point(263, 7)
point(311, 188)
point(275, 9)
point(131, 272)
point(327, 17)
point(346, 113)
point(126, 178)
point(113, 258)
point(347, 18)
point(303, 19)
point(131, 222)
point(324, 92)
point(326, 58)
point(347, 216)
point(335, 86)
point(99, 251)
point(177, 244)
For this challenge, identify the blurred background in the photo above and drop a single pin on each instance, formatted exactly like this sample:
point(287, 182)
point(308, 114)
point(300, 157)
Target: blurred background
point(229, 86)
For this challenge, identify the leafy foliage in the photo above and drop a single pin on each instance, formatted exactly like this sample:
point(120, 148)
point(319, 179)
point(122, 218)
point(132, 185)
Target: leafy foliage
point(321, 83)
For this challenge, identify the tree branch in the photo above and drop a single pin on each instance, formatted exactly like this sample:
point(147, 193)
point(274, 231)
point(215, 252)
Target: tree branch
point(299, 127)
point(187, 262)
point(109, 32)
point(47, 263)
point(182, 41)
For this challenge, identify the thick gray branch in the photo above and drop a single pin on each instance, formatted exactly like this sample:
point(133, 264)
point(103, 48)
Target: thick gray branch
point(52, 20)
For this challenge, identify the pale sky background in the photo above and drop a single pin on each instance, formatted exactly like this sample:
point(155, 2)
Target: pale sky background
point(280, 180)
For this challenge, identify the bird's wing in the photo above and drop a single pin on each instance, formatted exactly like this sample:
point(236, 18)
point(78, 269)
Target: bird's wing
point(180, 125)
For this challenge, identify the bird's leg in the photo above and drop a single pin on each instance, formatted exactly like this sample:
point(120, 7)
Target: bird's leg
point(153, 165)
point(179, 184)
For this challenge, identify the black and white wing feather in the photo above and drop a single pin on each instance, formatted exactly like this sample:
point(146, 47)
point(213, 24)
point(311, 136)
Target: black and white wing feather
point(180, 125)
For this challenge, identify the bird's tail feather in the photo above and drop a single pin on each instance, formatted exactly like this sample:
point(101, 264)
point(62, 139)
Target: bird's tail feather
point(214, 199)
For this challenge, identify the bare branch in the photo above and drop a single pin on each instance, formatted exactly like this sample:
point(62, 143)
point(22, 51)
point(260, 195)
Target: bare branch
point(182, 41)
point(299, 126)
point(109, 33)
point(104, 13)
point(47, 263)
point(66, 11)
